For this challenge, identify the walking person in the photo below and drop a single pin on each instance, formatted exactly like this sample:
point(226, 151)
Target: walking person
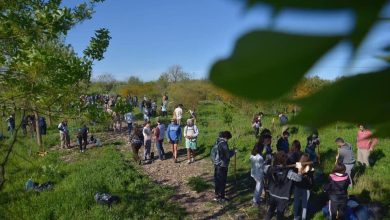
point(302, 188)
point(174, 137)
point(62, 127)
point(257, 171)
point(82, 137)
point(365, 145)
point(345, 156)
point(191, 133)
point(146, 131)
point(220, 155)
point(178, 113)
point(337, 190)
point(129, 121)
point(159, 136)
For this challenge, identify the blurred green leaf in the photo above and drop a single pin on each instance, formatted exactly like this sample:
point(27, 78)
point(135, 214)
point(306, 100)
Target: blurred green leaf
point(362, 98)
point(276, 61)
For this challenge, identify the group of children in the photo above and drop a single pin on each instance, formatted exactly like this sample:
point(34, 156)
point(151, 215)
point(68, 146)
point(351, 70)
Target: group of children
point(174, 132)
point(289, 172)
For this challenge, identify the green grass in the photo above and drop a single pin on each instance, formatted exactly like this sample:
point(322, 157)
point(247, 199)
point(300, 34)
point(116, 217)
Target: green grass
point(198, 184)
point(98, 170)
point(107, 169)
point(372, 185)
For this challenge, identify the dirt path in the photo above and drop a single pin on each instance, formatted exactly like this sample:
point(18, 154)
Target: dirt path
point(176, 175)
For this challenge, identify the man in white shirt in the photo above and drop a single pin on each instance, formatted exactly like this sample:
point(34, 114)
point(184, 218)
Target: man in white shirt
point(179, 113)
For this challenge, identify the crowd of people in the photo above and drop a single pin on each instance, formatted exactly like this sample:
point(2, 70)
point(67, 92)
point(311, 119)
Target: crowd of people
point(279, 173)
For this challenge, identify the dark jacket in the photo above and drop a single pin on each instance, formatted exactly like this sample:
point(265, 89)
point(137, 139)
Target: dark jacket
point(337, 188)
point(307, 181)
point(282, 145)
point(293, 157)
point(280, 181)
point(224, 153)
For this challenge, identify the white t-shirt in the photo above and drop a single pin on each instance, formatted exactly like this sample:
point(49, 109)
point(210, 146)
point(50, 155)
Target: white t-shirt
point(129, 118)
point(179, 113)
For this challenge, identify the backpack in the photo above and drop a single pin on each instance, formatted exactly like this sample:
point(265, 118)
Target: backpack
point(215, 153)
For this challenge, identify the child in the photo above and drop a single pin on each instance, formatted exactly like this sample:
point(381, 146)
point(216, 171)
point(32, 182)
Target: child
point(337, 189)
point(280, 180)
point(257, 171)
point(267, 140)
point(302, 188)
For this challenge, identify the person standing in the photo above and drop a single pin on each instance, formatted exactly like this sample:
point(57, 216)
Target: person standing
point(42, 125)
point(164, 108)
point(295, 153)
point(178, 113)
point(256, 124)
point(257, 171)
point(11, 124)
point(147, 140)
point(313, 141)
point(63, 129)
point(220, 156)
point(365, 144)
point(174, 137)
point(191, 133)
point(129, 121)
point(136, 141)
point(280, 182)
point(337, 189)
point(345, 156)
point(82, 137)
point(159, 135)
point(24, 125)
point(282, 144)
point(302, 188)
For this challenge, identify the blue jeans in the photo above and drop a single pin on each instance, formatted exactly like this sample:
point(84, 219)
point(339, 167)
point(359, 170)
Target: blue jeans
point(160, 149)
point(129, 127)
point(148, 145)
point(301, 198)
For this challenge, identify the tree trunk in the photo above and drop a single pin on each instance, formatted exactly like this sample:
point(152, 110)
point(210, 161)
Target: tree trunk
point(49, 117)
point(37, 130)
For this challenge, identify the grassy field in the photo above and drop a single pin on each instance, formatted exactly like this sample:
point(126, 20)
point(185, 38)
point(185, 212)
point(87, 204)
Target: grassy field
point(371, 184)
point(76, 181)
point(78, 177)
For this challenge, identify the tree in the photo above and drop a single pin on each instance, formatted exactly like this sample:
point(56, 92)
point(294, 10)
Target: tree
point(134, 80)
point(279, 61)
point(175, 74)
point(40, 70)
point(106, 81)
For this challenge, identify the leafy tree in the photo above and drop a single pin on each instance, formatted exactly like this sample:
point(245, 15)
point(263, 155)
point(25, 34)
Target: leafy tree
point(278, 61)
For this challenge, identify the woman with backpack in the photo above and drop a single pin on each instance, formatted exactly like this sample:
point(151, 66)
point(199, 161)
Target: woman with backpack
point(302, 188)
point(257, 171)
point(136, 141)
point(174, 137)
point(191, 133)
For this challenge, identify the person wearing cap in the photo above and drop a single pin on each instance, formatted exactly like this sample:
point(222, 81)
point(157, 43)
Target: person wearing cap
point(365, 144)
point(282, 144)
point(174, 137)
point(345, 156)
point(191, 133)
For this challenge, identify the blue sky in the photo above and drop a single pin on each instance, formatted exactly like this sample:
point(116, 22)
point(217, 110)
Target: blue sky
point(148, 36)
